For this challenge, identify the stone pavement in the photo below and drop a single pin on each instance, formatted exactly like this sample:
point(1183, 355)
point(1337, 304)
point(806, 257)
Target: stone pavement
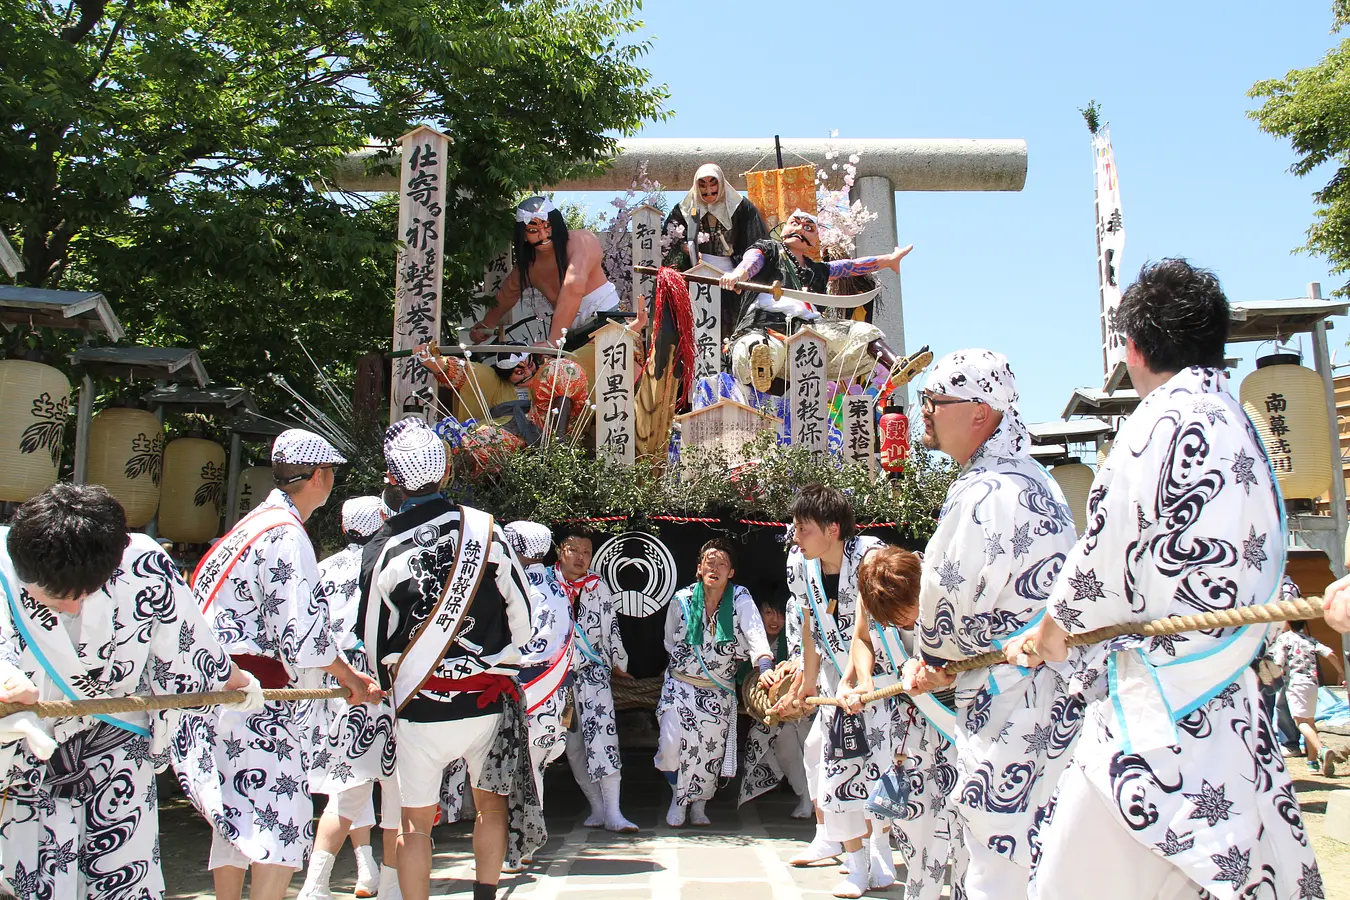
point(741, 856)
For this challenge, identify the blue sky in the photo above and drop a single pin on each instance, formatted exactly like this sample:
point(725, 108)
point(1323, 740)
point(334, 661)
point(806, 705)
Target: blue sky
point(1015, 272)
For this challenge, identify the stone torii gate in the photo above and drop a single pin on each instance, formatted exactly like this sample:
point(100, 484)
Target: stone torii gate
point(887, 165)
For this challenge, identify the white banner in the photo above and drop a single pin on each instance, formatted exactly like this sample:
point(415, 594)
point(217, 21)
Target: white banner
point(706, 300)
point(859, 428)
point(417, 291)
point(646, 252)
point(806, 390)
point(615, 376)
point(1110, 246)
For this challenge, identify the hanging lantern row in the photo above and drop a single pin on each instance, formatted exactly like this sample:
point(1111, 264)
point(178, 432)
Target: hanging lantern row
point(34, 406)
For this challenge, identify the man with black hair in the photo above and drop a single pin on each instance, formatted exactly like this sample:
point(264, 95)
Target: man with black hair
point(773, 753)
point(987, 570)
point(352, 747)
point(445, 611)
point(711, 626)
point(822, 573)
point(565, 266)
point(244, 771)
point(1177, 787)
point(600, 656)
point(92, 612)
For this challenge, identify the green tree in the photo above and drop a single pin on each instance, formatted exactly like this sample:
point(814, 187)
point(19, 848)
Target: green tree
point(172, 153)
point(1311, 107)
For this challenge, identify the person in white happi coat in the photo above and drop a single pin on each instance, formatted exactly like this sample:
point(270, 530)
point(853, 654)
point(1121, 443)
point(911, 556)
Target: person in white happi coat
point(773, 753)
point(91, 612)
point(883, 640)
point(245, 772)
point(352, 747)
point(845, 755)
point(999, 544)
point(445, 609)
point(599, 655)
point(546, 663)
point(1177, 787)
point(711, 626)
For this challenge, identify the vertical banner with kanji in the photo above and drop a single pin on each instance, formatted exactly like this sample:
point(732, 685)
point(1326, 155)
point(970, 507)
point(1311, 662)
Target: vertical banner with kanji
point(615, 375)
point(859, 427)
point(806, 390)
point(417, 291)
point(1110, 245)
point(706, 300)
point(646, 252)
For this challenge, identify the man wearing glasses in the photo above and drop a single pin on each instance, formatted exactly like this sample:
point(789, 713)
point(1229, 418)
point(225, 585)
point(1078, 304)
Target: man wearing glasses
point(256, 587)
point(987, 571)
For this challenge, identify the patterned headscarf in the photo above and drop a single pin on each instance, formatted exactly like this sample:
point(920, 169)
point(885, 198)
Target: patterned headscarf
point(298, 447)
point(414, 454)
point(985, 376)
point(530, 540)
point(362, 516)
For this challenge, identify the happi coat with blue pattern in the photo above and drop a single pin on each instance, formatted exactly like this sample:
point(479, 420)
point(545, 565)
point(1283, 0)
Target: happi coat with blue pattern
point(1001, 539)
point(1184, 517)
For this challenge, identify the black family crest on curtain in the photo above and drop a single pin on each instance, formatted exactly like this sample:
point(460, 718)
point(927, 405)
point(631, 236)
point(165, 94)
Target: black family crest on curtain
point(644, 571)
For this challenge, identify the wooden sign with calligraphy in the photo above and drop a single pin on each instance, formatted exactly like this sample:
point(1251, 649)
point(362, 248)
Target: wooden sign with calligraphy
point(806, 390)
point(417, 290)
point(859, 427)
point(615, 375)
point(706, 300)
point(646, 252)
point(495, 272)
point(726, 426)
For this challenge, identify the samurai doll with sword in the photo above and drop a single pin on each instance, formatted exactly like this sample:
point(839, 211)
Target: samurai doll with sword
point(90, 612)
point(445, 605)
point(758, 355)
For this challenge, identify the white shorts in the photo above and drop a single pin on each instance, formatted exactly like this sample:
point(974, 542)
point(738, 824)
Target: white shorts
point(1302, 697)
point(602, 299)
point(357, 805)
point(426, 750)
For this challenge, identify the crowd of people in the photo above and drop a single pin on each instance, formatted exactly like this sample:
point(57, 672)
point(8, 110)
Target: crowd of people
point(1141, 767)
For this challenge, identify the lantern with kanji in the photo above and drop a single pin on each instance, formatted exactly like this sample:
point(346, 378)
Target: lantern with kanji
point(894, 439)
point(1288, 405)
point(194, 485)
point(126, 455)
point(34, 404)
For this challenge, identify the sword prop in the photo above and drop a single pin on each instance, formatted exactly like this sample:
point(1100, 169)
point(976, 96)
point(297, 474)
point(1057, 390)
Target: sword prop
point(838, 301)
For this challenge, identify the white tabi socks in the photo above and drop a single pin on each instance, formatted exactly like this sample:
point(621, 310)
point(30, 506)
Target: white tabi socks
point(389, 889)
point(316, 878)
point(881, 858)
point(855, 885)
point(614, 820)
point(367, 872)
point(592, 792)
point(820, 849)
point(675, 816)
point(698, 813)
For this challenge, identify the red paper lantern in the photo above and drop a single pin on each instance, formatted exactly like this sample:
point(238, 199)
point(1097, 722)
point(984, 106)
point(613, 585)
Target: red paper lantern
point(894, 440)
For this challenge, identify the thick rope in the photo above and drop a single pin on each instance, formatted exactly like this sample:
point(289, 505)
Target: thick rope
point(1260, 614)
point(60, 709)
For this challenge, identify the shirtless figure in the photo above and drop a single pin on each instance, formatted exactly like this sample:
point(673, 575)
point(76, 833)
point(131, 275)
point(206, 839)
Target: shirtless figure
point(563, 265)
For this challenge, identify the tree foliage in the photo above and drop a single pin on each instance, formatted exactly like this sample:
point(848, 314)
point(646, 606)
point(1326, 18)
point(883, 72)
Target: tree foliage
point(1311, 107)
point(172, 153)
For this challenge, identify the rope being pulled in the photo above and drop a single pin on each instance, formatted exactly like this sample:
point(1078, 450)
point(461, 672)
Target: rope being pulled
point(1261, 614)
point(59, 709)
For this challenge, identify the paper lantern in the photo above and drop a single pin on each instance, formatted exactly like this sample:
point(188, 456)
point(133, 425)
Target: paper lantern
point(255, 483)
point(34, 404)
point(126, 455)
point(1075, 480)
point(894, 440)
point(1102, 453)
point(194, 486)
point(1288, 405)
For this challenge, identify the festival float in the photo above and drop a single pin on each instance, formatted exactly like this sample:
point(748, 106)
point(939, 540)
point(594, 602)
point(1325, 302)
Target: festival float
point(722, 354)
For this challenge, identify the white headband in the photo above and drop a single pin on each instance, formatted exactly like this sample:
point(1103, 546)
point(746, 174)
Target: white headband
point(541, 211)
point(801, 213)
